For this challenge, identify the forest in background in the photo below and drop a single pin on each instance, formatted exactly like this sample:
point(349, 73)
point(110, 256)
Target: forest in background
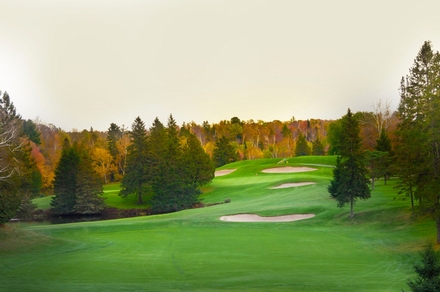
point(248, 140)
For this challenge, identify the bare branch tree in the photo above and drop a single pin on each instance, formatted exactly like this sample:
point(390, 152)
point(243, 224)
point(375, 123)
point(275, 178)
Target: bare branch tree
point(381, 115)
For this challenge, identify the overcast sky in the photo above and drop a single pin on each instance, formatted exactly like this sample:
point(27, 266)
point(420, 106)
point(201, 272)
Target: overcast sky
point(88, 63)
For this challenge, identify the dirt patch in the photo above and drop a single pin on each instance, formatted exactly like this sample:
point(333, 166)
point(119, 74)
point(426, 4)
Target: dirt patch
point(257, 218)
point(223, 172)
point(288, 169)
point(292, 185)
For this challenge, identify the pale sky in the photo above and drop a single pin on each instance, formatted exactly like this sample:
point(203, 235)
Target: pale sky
point(88, 63)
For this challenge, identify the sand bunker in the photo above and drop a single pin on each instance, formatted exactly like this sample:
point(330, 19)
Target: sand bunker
point(257, 218)
point(292, 185)
point(288, 169)
point(223, 172)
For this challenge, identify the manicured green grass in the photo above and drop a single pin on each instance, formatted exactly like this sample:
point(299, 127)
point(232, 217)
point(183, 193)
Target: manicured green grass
point(111, 199)
point(43, 203)
point(193, 250)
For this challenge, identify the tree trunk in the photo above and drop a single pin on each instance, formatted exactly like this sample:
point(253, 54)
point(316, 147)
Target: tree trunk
point(351, 208)
point(412, 200)
point(438, 229)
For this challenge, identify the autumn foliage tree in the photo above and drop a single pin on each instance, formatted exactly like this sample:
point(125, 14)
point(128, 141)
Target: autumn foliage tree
point(17, 167)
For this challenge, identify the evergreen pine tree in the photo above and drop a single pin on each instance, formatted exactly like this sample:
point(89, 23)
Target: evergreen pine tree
point(136, 179)
point(334, 184)
point(170, 191)
point(114, 133)
point(65, 182)
point(302, 148)
point(383, 145)
point(223, 152)
point(350, 180)
point(199, 168)
point(418, 132)
point(179, 168)
point(31, 131)
point(318, 148)
point(428, 271)
point(89, 188)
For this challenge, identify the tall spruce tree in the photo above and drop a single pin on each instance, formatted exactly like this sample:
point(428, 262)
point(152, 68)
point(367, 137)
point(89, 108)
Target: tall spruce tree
point(65, 182)
point(199, 168)
point(136, 179)
point(350, 180)
point(223, 153)
point(114, 133)
point(318, 148)
point(383, 145)
point(302, 148)
point(171, 191)
point(418, 132)
point(88, 189)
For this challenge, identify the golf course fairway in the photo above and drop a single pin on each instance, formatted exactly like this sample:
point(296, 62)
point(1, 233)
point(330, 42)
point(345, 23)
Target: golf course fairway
point(193, 250)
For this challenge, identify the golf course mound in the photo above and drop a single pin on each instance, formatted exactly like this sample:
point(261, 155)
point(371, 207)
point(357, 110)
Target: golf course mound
point(293, 185)
point(257, 218)
point(223, 172)
point(288, 169)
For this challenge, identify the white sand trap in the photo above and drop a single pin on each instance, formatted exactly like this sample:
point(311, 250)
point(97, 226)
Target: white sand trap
point(288, 169)
point(257, 218)
point(223, 172)
point(292, 185)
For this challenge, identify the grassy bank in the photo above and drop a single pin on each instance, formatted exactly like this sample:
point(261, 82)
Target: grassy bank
point(193, 250)
point(110, 195)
